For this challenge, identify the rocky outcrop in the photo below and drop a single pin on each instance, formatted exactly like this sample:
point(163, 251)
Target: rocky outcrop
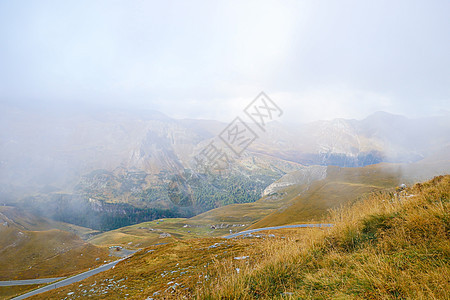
point(301, 177)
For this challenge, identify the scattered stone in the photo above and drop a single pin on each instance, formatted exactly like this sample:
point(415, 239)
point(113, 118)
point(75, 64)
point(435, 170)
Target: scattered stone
point(215, 245)
point(241, 257)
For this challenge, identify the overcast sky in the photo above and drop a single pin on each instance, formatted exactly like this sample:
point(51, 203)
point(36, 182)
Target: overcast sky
point(208, 59)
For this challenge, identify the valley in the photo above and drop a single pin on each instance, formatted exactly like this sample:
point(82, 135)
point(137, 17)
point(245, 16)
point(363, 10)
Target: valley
point(224, 150)
point(144, 194)
point(330, 262)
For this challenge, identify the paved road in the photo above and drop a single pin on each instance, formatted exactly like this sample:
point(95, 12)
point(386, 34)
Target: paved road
point(69, 280)
point(29, 281)
point(275, 227)
point(108, 266)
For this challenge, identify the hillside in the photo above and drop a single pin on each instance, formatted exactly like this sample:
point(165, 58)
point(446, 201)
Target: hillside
point(24, 220)
point(156, 232)
point(302, 196)
point(387, 245)
point(306, 199)
point(150, 144)
point(34, 247)
point(341, 186)
point(112, 169)
point(41, 254)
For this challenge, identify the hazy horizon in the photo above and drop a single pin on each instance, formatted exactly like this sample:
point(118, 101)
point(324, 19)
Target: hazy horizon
point(50, 109)
point(206, 60)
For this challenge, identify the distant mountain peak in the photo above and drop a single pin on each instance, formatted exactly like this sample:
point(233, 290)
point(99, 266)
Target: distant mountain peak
point(384, 115)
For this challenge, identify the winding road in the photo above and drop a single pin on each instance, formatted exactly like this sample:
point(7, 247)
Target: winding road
point(29, 281)
point(108, 266)
point(67, 281)
point(274, 228)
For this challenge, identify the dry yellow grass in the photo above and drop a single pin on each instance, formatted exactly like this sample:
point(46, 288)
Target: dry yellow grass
point(41, 254)
point(389, 246)
point(341, 186)
point(386, 246)
point(8, 292)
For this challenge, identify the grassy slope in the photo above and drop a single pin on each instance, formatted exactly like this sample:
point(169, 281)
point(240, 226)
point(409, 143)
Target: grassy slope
point(35, 247)
point(250, 213)
point(189, 264)
point(8, 292)
point(341, 186)
point(145, 234)
point(383, 247)
point(240, 215)
point(149, 233)
point(31, 247)
point(40, 254)
point(23, 220)
point(386, 247)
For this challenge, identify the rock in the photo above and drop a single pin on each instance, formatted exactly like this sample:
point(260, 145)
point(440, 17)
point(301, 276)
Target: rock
point(215, 245)
point(241, 257)
point(300, 177)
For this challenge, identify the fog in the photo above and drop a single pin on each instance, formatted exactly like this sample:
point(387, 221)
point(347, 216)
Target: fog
point(318, 60)
point(105, 105)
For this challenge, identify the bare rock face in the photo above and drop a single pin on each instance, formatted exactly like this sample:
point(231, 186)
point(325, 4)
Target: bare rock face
point(304, 176)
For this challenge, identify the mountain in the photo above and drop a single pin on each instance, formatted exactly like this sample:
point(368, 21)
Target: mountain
point(305, 196)
point(125, 165)
point(381, 137)
point(385, 246)
point(35, 247)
